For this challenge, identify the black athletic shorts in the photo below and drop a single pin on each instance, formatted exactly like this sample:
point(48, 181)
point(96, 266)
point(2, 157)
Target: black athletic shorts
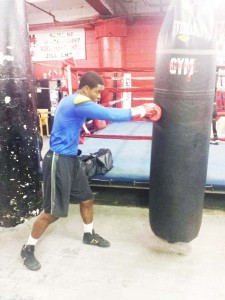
point(64, 181)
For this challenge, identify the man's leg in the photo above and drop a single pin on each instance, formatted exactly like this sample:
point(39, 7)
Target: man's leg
point(90, 237)
point(86, 211)
point(39, 227)
point(41, 224)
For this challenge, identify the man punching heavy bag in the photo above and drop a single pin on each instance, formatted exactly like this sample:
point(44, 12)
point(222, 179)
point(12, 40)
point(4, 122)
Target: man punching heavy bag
point(184, 88)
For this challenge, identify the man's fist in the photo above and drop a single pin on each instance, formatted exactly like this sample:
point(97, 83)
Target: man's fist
point(150, 111)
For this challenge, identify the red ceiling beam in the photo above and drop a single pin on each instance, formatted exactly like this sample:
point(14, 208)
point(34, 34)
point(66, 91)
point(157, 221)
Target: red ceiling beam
point(85, 23)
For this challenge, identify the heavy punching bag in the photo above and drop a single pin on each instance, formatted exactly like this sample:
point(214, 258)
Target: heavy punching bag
point(184, 88)
point(20, 185)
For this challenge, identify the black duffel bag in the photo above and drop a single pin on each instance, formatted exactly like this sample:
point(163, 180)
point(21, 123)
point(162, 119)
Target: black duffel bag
point(97, 163)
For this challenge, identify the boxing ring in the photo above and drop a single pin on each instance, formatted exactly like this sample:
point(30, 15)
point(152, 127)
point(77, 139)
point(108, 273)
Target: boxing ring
point(130, 143)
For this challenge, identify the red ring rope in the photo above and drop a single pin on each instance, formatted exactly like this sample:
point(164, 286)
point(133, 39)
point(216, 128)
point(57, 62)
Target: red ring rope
point(120, 137)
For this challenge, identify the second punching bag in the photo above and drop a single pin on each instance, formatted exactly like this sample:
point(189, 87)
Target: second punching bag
point(184, 88)
point(20, 184)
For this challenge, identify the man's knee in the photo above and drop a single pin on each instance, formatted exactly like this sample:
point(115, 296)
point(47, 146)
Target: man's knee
point(87, 203)
point(48, 218)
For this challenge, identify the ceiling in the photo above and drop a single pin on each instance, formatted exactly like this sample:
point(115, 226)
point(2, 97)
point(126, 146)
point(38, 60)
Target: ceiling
point(71, 12)
point(60, 12)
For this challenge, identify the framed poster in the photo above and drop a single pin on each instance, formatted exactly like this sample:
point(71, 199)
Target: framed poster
point(57, 44)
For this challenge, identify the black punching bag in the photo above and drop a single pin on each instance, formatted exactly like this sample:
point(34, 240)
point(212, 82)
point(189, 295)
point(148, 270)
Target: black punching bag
point(20, 186)
point(184, 88)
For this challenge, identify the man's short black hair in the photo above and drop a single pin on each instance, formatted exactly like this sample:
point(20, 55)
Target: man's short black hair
point(91, 79)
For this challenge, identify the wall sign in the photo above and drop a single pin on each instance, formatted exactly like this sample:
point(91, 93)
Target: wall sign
point(57, 45)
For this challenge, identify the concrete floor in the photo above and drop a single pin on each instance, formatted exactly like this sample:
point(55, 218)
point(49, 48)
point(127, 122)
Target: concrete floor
point(131, 268)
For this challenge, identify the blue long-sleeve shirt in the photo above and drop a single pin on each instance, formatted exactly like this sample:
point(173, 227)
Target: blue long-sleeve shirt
point(71, 113)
